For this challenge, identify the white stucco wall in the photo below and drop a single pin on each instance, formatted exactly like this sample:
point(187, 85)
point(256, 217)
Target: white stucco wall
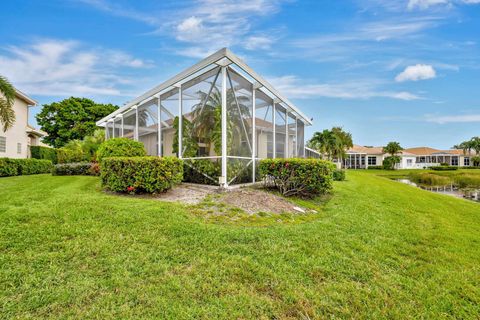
point(17, 134)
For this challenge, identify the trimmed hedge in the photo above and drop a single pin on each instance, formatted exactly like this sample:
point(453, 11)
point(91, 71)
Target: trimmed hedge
point(17, 167)
point(141, 174)
point(76, 168)
point(44, 153)
point(339, 175)
point(299, 177)
point(120, 147)
point(444, 168)
point(375, 167)
point(69, 156)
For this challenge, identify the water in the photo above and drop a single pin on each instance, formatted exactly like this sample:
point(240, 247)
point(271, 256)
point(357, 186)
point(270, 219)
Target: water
point(451, 190)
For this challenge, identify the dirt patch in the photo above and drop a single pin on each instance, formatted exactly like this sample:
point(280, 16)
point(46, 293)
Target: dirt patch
point(249, 201)
point(187, 193)
point(254, 201)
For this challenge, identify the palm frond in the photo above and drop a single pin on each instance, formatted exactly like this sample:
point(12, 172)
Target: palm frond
point(7, 115)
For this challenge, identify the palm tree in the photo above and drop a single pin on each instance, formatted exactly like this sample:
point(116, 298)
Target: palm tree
point(207, 122)
point(344, 142)
point(332, 143)
point(7, 115)
point(323, 142)
point(392, 148)
point(469, 145)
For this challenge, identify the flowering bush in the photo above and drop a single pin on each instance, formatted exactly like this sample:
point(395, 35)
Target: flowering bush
point(301, 177)
point(141, 174)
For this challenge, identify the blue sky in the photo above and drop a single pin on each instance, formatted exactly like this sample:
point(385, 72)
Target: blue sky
point(404, 70)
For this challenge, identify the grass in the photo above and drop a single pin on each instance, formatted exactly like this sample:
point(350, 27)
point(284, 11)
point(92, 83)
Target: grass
point(430, 179)
point(377, 249)
point(464, 178)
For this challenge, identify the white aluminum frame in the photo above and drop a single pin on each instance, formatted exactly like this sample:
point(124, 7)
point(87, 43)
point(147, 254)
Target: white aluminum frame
point(226, 60)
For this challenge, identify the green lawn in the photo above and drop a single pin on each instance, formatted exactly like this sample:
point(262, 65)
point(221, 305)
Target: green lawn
point(377, 249)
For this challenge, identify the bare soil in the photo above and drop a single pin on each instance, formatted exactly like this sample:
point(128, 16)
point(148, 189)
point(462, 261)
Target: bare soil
point(255, 200)
point(187, 193)
point(249, 200)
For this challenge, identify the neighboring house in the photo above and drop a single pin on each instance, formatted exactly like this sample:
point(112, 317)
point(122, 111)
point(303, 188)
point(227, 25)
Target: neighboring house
point(222, 102)
point(360, 157)
point(16, 141)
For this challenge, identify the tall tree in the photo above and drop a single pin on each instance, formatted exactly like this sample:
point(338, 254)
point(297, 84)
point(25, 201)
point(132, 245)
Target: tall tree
point(71, 119)
point(392, 148)
point(7, 98)
point(469, 145)
point(333, 143)
point(344, 142)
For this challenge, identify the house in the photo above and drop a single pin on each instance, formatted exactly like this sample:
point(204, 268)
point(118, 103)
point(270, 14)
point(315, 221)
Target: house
point(361, 157)
point(230, 117)
point(16, 141)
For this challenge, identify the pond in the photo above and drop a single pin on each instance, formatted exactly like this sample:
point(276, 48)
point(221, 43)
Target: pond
point(451, 190)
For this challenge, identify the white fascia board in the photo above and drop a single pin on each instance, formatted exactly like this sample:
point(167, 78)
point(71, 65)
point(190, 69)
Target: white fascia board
point(265, 84)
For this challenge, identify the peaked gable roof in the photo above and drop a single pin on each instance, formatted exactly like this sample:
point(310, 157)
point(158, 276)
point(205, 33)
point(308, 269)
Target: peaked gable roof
point(217, 58)
point(19, 94)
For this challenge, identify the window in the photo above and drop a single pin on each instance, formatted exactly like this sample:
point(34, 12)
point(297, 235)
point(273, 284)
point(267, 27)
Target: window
point(3, 144)
point(466, 161)
point(409, 162)
point(19, 148)
point(372, 161)
point(454, 161)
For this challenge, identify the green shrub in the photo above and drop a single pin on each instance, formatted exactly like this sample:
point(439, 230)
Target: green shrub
point(141, 174)
point(475, 160)
point(75, 168)
point(444, 168)
point(120, 147)
point(44, 153)
point(375, 167)
point(390, 162)
point(300, 177)
point(18, 167)
point(8, 167)
point(65, 155)
point(339, 175)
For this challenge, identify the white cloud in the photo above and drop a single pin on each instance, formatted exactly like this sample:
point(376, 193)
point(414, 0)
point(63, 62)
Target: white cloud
point(469, 118)
point(293, 87)
point(424, 4)
point(117, 10)
point(416, 72)
point(258, 42)
point(224, 23)
point(58, 68)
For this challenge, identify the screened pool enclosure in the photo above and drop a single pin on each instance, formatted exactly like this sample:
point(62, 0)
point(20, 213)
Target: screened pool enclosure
point(219, 116)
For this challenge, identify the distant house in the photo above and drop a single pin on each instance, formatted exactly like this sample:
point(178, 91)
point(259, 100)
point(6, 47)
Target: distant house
point(361, 157)
point(16, 141)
